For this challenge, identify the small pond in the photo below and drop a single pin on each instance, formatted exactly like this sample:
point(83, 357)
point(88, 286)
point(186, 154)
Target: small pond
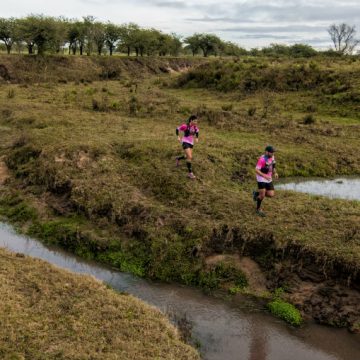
point(339, 188)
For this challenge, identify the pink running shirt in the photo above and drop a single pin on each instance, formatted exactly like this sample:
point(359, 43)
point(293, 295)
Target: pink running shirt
point(265, 165)
point(189, 132)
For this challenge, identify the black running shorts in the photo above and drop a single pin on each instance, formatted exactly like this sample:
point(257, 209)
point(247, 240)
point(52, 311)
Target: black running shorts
point(268, 186)
point(186, 145)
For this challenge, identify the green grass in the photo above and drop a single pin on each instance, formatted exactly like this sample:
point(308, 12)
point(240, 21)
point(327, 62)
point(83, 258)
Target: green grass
point(285, 311)
point(104, 184)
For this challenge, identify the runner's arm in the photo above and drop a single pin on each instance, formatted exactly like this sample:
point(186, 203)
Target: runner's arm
point(276, 175)
point(177, 134)
point(258, 172)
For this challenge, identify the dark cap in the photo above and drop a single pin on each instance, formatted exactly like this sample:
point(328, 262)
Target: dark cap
point(270, 149)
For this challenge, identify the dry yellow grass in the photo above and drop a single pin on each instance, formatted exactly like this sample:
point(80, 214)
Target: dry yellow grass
point(49, 313)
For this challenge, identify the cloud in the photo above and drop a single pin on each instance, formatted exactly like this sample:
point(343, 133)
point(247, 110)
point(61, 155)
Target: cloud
point(265, 36)
point(269, 20)
point(171, 4)
point(208, 19)
point(270, 11)
point(275, 29)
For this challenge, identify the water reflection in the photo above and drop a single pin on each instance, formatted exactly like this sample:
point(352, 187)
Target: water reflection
point(258, 343)
point(341, 188)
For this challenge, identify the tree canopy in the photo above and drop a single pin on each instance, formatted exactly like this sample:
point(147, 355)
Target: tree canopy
point(44, 34)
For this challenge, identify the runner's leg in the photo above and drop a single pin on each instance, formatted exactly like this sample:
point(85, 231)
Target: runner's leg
point(260, 198)
point(188, 153)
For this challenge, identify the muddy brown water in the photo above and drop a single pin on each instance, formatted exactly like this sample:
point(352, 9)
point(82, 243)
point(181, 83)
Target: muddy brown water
point(341, 188)
point(226, 329)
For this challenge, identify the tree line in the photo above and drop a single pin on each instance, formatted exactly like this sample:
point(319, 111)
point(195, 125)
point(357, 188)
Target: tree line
point(44, 34)
point(40, 34)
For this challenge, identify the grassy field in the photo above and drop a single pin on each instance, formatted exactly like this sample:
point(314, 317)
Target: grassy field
point(93, 166)
point(48, 313)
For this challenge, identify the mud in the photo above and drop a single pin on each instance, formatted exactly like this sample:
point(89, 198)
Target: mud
point(327, 300)
point(328, 292)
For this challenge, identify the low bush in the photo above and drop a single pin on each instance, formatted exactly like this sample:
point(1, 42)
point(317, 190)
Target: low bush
point(309, 119)
point(11, 94)
point(285, 311)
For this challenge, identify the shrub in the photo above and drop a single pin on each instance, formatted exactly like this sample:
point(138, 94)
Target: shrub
point(251, 77)
point(234, 290)
point(91, 91)
point(223, 273)
point(7, 114)
point(251, 111)
point(62, 232)
point(123, 262)
point(11, 94)
point(98, 105)
point(14, 208)
point(285, 311)
point(95, 105)
point(115, 105)
point(227, 107)
point(21, 156)
point(21, 141)
point(133, 106)
point(311, 108)
point(309, 119)
point(21, 213)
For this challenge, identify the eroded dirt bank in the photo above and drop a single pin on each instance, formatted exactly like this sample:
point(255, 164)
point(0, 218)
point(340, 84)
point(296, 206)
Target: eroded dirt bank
point(325, 290)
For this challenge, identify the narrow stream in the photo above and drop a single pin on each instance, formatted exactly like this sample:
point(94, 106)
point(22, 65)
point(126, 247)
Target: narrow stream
point(341, 188)
point(225, 329)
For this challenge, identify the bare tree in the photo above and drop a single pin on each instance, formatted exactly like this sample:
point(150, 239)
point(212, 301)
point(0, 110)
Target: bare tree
point(343, 37)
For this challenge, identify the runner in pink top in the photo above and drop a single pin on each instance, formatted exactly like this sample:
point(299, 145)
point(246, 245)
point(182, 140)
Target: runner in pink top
point(190, 130)
point(265, 168)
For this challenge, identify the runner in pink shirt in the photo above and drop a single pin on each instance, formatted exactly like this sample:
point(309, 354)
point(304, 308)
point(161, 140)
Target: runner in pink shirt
point(190, 130)
point(265, 168)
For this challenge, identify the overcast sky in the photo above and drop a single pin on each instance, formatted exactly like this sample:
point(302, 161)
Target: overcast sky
point(249, 23)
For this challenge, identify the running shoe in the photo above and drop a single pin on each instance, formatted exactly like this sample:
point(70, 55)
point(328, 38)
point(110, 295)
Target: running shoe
point(260, 213)
point(191, 176)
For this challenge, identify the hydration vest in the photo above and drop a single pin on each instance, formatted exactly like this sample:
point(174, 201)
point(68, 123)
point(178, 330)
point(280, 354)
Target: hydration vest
point(269, 166)
point(190, 130)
